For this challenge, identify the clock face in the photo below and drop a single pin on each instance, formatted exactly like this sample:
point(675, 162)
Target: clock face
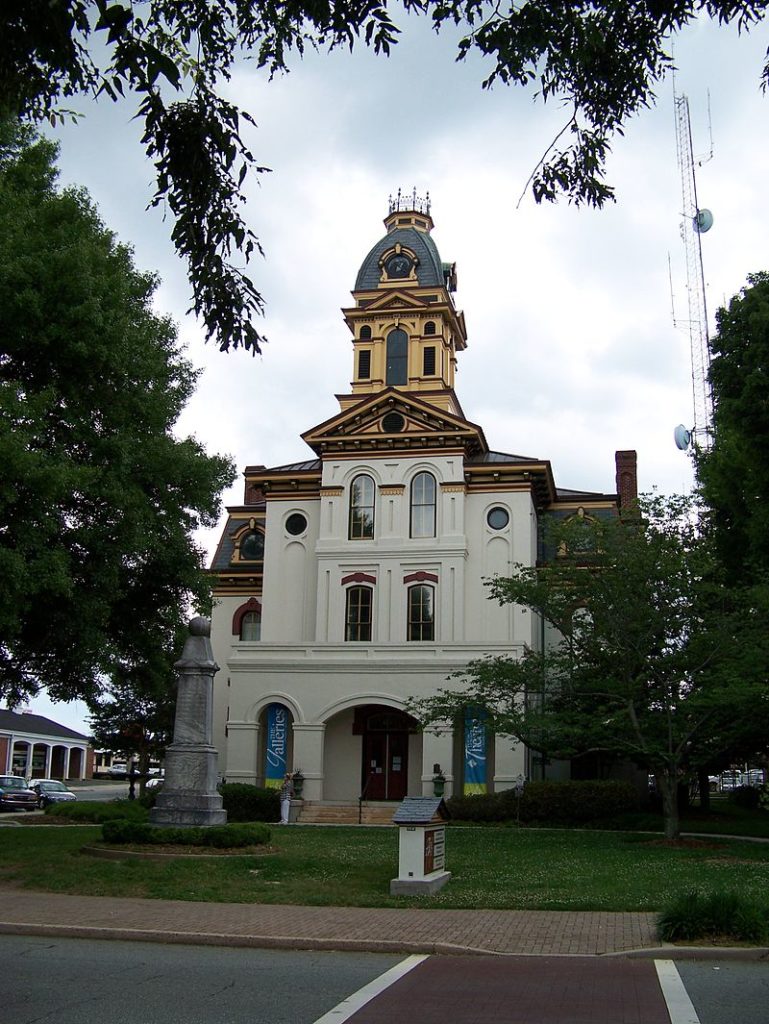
point(398, 266)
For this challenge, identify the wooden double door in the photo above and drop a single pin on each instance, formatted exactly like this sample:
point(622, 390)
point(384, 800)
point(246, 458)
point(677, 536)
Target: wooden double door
point(385, 755)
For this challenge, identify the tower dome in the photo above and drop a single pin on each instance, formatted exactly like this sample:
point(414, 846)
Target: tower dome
point(407, 252)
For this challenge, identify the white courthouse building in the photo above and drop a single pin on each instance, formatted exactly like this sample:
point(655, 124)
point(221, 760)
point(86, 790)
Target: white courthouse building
point(354, 579)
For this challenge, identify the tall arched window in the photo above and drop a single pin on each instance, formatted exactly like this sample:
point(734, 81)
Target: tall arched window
point(421, 613)
point(358, 615)
point(397, 357)
point(251, 626)
point(423, 505)
point(362, 508)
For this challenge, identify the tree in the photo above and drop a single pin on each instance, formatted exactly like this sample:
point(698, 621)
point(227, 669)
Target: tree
point(98, 498)
point(734, 473)
point(134, 713)
point(601, 58)
point(647, 649)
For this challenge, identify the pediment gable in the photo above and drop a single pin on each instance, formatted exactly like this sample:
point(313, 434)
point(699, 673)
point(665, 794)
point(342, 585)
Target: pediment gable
point(395, 421)
point(394, 300)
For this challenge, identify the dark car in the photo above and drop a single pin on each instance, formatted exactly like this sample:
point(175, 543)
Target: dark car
point(15, 795)
point(51, 791)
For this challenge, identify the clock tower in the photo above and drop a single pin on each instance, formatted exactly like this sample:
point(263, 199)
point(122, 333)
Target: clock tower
point(406, 329)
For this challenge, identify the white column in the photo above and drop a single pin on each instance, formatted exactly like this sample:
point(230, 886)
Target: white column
point(437, 749)
point(308, 755)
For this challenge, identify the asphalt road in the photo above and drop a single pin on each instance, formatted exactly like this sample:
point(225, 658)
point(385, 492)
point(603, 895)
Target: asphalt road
point(79, 981)
point(74, 981)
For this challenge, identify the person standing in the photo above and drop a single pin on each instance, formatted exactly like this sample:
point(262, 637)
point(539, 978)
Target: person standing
point(286, 792)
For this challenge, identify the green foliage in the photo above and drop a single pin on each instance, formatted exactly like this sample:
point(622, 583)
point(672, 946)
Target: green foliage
point(734, 474)
point(649, 657)
point(498, 868)
point(550, 803)
point(97, 812)
point(99, 499)
point(249, 803)
point(602, 61)
point(746, 796)
point(220, 837)
point(718, 915)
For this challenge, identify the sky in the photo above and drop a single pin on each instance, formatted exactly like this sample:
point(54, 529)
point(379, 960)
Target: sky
point(576, 318)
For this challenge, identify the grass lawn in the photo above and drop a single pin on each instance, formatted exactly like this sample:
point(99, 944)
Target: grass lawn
point(500, 868)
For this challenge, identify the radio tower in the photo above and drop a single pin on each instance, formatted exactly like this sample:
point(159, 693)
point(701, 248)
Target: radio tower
point(694, 224)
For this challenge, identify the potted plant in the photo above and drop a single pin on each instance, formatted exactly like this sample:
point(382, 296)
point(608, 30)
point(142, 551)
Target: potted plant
point(298, 784)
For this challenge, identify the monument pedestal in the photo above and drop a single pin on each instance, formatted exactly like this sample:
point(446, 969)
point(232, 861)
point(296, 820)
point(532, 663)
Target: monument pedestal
point(189, 796)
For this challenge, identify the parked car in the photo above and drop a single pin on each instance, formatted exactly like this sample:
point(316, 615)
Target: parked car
point(15, 795)
point(155, 782)
point(51, 791)
point(118, 770)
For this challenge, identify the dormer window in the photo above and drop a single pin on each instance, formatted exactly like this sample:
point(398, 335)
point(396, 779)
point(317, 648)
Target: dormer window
point(252, 547)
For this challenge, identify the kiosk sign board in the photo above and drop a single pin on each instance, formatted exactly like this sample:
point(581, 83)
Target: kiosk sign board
point(421, 846)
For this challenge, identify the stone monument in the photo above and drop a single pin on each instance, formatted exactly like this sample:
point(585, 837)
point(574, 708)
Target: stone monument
point(189, 795)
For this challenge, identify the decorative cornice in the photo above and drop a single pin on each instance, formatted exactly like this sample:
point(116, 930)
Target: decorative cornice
point(421, 577)
point(358, 577)
point(453, 488)
point(392, 489)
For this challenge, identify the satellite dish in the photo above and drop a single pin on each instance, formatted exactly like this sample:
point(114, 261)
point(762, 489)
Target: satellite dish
point(683, 437)
point(703, 221)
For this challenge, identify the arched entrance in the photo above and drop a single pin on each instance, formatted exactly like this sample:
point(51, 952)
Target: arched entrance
point(385, 750)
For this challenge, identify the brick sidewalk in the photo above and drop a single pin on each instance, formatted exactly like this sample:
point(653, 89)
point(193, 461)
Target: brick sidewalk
point(340, 928)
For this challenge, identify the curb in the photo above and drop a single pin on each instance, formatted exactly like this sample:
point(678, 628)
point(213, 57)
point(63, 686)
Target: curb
point(286, 942)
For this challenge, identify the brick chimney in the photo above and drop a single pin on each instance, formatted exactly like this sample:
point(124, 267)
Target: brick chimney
point(627, 477)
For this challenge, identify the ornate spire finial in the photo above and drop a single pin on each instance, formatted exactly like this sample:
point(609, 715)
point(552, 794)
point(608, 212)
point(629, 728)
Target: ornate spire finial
point(413, 202)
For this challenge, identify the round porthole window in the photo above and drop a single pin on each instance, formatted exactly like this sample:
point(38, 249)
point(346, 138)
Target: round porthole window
point(498, 518)
point(296, 524)
point(393, 423)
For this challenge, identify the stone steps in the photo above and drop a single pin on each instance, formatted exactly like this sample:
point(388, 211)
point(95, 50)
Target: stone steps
point(323, 813)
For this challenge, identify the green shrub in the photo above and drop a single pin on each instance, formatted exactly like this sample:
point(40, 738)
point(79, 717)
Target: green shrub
point(220, 837)
point(243, 834)
point(746, 796)
point(551, 803)
point(125, 831)
point(719, 915)
point(249, 803)
point(97, 812)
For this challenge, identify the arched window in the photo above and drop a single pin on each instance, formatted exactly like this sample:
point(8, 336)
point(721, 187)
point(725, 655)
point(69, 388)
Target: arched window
point(365, 333)
point(252, 547)
point(251, 626)
point(421, 614)
point(397, 357)
point(430, 327)
point(360, 601)
point(362, 508)
point(423, 505)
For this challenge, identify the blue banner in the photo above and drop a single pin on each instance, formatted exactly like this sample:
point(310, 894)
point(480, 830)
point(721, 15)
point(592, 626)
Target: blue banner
point(277, 745)
point(475, 752)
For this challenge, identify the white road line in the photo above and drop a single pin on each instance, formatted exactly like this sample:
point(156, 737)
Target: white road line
point(676, 997)
point(364, 995)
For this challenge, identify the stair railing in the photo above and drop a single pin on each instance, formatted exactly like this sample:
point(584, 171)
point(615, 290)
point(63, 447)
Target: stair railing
point(361, 798)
